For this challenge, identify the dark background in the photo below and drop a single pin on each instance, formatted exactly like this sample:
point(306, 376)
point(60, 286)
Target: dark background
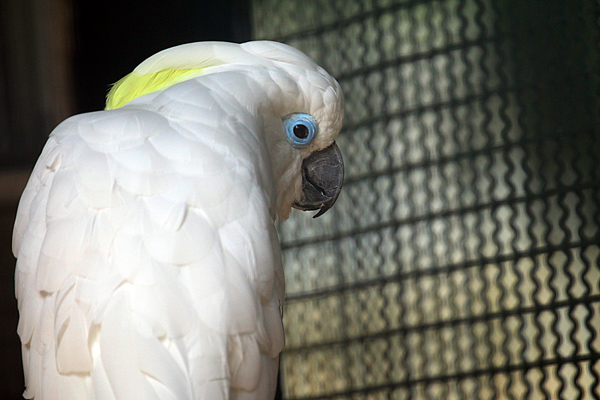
point(106, 40)
point(112, 37)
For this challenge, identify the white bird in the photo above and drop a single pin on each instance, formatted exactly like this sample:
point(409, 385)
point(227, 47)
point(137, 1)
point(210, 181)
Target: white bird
point(148, 266)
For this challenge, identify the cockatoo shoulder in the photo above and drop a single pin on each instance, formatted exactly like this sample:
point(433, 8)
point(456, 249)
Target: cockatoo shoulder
point(148, 265)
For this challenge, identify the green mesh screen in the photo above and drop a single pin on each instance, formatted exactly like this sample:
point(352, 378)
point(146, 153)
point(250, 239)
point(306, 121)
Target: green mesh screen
point(462, 258)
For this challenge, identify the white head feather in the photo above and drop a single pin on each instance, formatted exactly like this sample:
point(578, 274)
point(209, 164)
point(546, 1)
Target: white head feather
point(290, 82)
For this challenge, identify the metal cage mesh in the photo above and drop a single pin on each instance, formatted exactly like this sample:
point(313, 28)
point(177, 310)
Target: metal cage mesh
point(462, 258)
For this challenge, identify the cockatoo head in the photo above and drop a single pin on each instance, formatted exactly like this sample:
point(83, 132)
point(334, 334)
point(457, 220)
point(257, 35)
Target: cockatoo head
point(299, 105)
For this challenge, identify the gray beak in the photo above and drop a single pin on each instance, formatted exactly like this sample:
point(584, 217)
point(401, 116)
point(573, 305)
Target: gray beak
point(322, 177)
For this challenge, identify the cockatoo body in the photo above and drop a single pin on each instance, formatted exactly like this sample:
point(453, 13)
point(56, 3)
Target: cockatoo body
point(148, 266)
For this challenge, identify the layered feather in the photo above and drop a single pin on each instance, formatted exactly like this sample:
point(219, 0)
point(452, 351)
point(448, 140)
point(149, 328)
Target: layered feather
point(148, 265)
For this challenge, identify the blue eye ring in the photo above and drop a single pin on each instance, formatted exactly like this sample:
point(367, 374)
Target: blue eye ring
point(300, 129)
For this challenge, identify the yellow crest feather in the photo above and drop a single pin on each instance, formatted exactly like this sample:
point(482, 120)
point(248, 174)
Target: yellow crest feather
point(135, 85)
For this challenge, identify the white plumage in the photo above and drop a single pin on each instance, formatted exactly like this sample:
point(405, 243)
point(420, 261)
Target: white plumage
point(148, 266)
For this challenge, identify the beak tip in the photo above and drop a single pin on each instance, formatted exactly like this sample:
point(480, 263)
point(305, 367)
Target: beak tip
point(322, 211)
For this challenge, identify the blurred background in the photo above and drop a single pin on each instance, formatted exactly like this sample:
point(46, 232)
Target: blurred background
point(462, 258)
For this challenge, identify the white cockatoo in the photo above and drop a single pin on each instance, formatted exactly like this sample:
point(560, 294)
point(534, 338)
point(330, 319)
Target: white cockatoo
point(148, 266)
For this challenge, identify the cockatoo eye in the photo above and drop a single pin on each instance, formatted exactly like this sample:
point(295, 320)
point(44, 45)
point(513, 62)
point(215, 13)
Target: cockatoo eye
point(300, 129)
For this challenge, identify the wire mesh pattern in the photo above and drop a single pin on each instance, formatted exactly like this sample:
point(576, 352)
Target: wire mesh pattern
point(462, 258)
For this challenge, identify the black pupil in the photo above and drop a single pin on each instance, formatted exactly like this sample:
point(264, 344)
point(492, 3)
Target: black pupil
point(301, 131)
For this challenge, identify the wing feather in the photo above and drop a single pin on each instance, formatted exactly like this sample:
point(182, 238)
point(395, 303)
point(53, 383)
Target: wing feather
point(147, 265)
